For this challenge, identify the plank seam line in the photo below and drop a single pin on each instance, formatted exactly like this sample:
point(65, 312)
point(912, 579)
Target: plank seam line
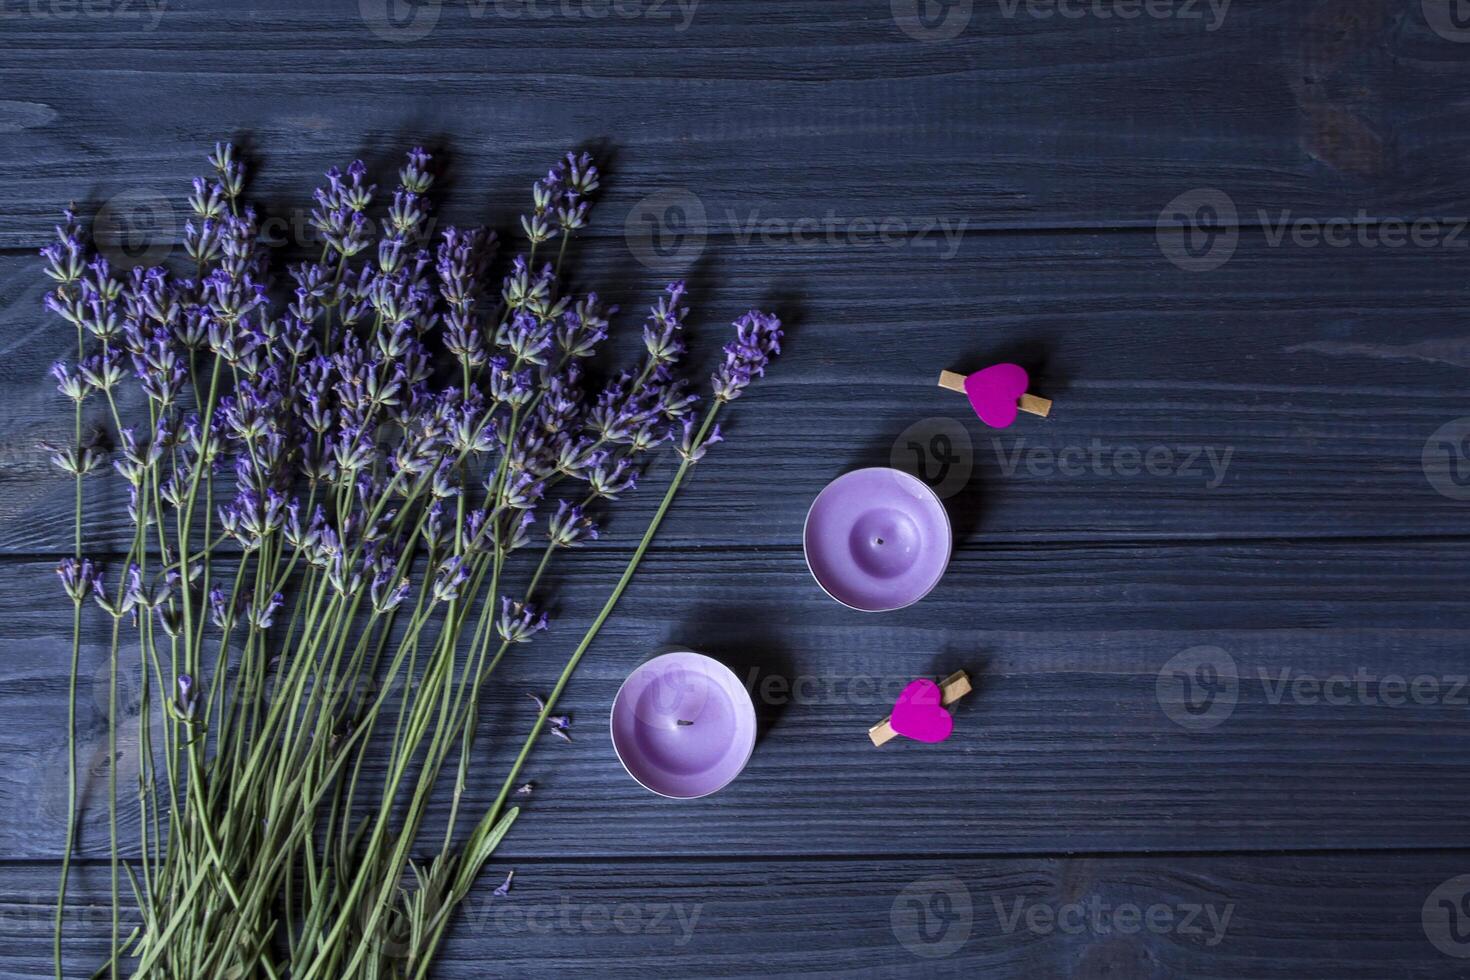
point(623, 858)
point(720, 234)
point(972, 548)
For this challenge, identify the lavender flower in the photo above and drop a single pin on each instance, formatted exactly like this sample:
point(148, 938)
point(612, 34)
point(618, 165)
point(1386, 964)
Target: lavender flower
point(301, 429)
point(570, 527)
point(389, 588)
point(186, 698)
point(450, 577)
point(221, 610)
point(79, 579)
point(261, 615)
point(693, 448)
point(66, 258)
point(70, 383)
point(608, 479)
point(662, 335)
point(757, 340)
point(518, 622)
point(78, 461)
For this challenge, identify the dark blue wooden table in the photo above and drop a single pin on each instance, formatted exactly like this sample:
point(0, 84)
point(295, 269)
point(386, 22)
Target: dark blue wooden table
point(1229, 240)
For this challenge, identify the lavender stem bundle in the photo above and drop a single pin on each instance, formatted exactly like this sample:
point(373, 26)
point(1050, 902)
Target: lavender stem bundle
point(337, 490)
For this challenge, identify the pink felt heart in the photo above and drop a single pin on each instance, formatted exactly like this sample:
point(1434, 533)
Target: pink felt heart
point(919, 715)
point(995, 391)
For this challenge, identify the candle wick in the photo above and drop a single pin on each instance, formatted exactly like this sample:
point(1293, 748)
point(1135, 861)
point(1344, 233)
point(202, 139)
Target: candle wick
point(683, 722)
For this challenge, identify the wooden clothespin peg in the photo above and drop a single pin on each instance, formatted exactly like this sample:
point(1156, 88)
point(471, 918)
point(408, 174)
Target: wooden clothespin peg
point(997, 392)
point(919, 711)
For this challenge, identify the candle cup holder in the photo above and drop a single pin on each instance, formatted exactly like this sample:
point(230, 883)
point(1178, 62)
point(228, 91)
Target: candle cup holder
point(877, 539)
point(683, 725)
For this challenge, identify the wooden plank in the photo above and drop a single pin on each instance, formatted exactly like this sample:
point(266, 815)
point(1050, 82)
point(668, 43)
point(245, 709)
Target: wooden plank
point(1066, 744)
point(1292, 391)
point(1216, 916)
point(1022, 119)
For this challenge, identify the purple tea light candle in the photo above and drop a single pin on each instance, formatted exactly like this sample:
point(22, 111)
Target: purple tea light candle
point(877, 539)
point(683, 725)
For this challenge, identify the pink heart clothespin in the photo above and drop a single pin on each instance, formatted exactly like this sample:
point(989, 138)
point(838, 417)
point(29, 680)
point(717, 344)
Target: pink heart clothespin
point(919, 713)
point(996, 393)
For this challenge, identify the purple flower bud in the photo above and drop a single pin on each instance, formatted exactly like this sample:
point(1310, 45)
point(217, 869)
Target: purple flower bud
point(757, 340)
point(186, 699)
point(569, 527)
point(518, 623)
point(221, 612)
point(79, 578)
point(449, 578)
point(692, 451)
point(608, 480)
point(261, 615)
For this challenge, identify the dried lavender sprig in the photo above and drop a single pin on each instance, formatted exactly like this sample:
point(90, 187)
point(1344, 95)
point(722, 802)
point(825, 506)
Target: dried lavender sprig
point(301, 404)
point(758, 338)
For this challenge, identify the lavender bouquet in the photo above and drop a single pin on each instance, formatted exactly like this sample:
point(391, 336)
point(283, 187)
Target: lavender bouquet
point(329, 479)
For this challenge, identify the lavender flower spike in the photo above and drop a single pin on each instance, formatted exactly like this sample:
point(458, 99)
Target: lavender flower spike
point(518, 622)
point(757, 340)
point(186, 700)
point(79, 578)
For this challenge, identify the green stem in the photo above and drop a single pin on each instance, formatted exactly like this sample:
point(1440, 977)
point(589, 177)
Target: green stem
point(466, 873)
point(71, 700)
point(71, 771)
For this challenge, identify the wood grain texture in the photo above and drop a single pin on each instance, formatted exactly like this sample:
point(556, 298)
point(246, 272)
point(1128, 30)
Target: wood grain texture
point(1065, 745)
point(1217, 917)
point(760, 110)
point(908, 206)
point(1290, 392)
